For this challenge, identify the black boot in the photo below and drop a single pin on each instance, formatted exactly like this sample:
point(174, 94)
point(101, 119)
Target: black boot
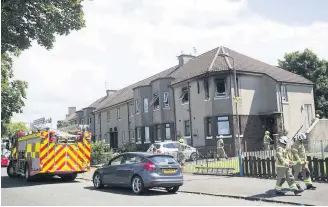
point(280, 193)
point(299, 188)
point(297, 191)
point(311, 187)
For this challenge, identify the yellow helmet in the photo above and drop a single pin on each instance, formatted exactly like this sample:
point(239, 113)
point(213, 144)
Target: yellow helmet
point(267, 133)
point(181, 140)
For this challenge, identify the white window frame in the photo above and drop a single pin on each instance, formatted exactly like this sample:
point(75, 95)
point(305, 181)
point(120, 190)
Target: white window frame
point(166, 100)
point(145, 104)
point(184, 128)
point(147, 135)
point(284, 94)
point(137, 106)
point(168, 128)
point(223, 119)
point(138, 135)
point(118, 114)
point(158, 137)
point(217, 94)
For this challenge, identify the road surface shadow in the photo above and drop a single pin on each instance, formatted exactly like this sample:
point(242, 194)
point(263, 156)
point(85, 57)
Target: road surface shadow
point(272, 194)
point(7, 182)
point(128, 191)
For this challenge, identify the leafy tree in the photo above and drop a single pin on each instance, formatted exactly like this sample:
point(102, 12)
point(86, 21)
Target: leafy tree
point(23, 21)
point(13, 127)
point(308, 65)
point(13, 92)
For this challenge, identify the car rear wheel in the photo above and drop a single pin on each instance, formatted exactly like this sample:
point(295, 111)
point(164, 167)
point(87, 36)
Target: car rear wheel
point(193, 156)
point(69, 177)
point(173, 189)
point(97, 181)
point(137, 185)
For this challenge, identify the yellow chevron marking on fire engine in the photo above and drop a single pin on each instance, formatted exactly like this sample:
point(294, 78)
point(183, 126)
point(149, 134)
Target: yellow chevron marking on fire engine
point(47, 149)
point(49, 156)
point(50, 164)
point(74, 159)
point(31, 136)
point(82, 156)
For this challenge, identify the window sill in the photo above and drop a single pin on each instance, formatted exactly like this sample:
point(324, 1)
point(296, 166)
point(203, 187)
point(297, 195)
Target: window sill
point(187, 137)
point(166, 108)
point(167, 140)
point(139, 142)
point(209, 137)
point(146, 142)
point(186, 103)
point(207, 99)
point(285, 102)
point(156, 109)
point(221, 97)
point(230, 136)
point(157, 141)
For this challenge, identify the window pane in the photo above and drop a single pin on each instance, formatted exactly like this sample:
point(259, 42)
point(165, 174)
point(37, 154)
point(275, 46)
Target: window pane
point(220, 86)
point(118, 113)
point(158, 132)
point(146, 134)
point(131, 109)
point(223, 118)
point(137, 106)
point(117, 161)
point(223, 128)
point(166, 99)
point(146, 105)
point(209, 127)
point(187, 128)
point(163, 159)
point(167, 131)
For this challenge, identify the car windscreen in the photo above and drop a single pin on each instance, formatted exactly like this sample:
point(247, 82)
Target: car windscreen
point(163, 159)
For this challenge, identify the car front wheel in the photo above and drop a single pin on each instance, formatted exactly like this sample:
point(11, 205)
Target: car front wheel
point(193, 156)
point(173, 189)
point(97, 181)
point(137, 185)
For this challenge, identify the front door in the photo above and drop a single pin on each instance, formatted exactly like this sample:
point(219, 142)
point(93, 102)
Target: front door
point(109, 174)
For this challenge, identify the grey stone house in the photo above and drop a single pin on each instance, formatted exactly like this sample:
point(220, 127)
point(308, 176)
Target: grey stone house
point(195, 100)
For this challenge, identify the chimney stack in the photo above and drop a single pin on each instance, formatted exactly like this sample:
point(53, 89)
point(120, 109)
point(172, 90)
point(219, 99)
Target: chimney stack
point(110, 92)
point(183, 59)
point(71, 110)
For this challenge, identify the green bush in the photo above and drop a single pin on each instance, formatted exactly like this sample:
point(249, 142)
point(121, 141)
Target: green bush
point(100, 152)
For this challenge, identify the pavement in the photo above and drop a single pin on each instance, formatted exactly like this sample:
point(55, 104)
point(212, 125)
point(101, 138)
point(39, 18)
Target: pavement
point(54, 192)
point(245, 188)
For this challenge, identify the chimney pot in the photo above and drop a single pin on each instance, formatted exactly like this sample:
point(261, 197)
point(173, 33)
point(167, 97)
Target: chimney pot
point(110, 92)
point(184, 58)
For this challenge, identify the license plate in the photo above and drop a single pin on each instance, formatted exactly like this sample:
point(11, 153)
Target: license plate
point(169, 171)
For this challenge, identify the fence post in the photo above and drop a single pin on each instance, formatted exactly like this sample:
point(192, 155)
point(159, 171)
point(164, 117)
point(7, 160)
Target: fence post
point(241, 169)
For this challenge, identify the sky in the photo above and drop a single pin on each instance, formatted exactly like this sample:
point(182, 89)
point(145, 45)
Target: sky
point(125, 41)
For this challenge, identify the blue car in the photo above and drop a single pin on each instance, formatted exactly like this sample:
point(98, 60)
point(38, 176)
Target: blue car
point(140, 171)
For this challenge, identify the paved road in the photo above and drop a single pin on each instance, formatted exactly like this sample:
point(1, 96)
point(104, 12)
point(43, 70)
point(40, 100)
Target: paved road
point(81, 192)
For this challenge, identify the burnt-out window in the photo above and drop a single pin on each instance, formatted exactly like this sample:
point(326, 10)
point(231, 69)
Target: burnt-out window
point(220, 87)
point(206, 89)
point(155, 101)
point(184, 95)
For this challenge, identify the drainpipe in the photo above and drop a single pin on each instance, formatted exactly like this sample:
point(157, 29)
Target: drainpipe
point(174, 114)
point(190, 118)
point(129, 121)
point(282, 109)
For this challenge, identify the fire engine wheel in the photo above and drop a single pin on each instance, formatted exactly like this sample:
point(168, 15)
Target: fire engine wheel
point(68, 177)
point(11, 171)
point(27, 175)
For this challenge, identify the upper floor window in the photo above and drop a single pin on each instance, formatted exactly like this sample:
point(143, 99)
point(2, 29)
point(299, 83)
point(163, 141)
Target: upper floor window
point(118, 114)
point(284, 96)
point(137, 106)
point(145, 105)
point(108, 116)
point(82, 121)
point(90, 120)
point(220, 87)
point(184, 95)
point(99, 118)
point(155, 101)
point(132, 135)
point(166, 99)
point(123, 136)
point(131, 109)
point(206, 89)
point(187, 128)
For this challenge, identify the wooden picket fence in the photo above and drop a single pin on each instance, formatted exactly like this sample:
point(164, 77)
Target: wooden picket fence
point(262, 165)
